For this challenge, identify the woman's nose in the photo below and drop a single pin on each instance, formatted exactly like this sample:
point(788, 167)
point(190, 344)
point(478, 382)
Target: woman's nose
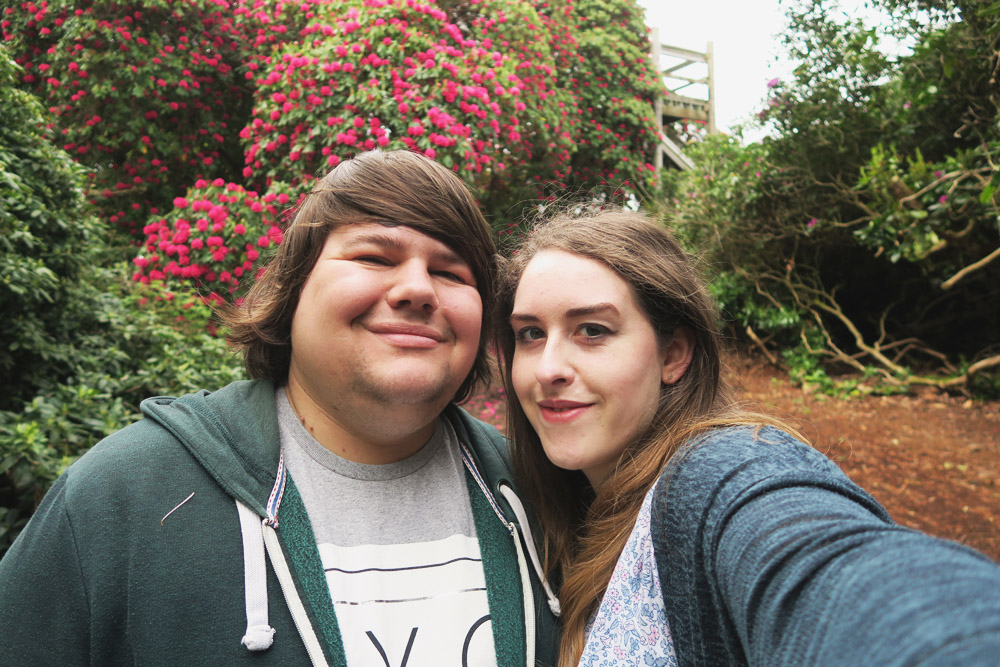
point(554, 366)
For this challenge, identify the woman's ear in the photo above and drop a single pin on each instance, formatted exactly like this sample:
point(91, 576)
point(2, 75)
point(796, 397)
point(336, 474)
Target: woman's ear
point(677, 356)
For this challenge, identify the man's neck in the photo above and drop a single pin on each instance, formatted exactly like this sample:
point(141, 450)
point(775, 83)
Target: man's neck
point(363, 434)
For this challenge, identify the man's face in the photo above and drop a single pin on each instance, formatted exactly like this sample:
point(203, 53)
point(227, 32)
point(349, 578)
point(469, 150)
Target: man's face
point(388, 317)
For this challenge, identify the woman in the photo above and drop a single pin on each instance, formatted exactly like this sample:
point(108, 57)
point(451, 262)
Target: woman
point(684, 530)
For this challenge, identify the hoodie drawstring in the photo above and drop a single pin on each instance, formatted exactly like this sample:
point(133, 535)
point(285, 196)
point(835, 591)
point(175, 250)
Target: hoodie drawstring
point(515, 503)
point(260, 541)
point(259, 634)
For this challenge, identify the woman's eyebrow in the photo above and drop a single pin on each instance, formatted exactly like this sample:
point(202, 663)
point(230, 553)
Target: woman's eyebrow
point(581, 311)
point(596, 309)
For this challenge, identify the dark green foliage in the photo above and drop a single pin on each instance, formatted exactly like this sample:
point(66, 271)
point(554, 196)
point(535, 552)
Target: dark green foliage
point(864, 231)
point(48, 242)
point(82, 344)
point(141, 342)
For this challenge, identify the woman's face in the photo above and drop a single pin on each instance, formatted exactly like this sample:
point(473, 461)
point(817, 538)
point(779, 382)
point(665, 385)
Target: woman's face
point(587, 365)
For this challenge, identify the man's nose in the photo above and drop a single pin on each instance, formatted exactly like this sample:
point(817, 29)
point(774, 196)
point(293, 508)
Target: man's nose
point(413, 287)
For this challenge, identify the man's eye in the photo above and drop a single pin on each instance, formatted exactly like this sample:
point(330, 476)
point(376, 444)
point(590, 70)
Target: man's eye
point(454, 277)
point(528, 334)
point(372, 259)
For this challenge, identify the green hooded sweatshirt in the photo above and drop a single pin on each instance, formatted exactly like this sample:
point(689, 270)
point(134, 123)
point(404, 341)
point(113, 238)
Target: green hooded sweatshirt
point(137, 555)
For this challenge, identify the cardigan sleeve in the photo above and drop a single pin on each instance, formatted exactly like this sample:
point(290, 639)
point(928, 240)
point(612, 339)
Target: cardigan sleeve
point(769, 555)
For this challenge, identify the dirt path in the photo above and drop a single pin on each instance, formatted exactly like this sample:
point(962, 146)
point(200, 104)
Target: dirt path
point(931, 459)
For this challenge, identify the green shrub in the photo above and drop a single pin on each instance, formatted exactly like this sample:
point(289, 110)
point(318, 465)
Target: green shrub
point(48, 243)
point(861, 235)
point(142, 342)
point(82, 344)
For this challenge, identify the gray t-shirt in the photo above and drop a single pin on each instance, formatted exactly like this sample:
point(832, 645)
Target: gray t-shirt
point(398, 543)
point(421, 498)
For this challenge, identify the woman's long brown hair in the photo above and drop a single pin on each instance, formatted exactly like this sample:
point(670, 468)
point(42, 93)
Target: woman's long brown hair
point(585, 529)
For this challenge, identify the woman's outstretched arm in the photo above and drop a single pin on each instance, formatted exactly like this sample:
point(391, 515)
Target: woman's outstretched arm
point(769, 555)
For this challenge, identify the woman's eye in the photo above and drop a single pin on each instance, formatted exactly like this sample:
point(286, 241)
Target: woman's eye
point(528, 334)
point(594, 330)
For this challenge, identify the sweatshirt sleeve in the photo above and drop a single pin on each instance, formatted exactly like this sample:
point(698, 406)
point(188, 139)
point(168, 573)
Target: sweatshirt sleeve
point(769, 555)
point(44, 617)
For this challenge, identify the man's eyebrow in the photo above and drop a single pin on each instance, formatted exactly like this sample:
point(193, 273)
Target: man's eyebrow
point(448, 255)
point(572, 313)
point(390, 242)
point(373, 238)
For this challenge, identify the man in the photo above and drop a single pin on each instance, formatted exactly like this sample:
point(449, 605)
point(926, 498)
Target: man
point(337, 508)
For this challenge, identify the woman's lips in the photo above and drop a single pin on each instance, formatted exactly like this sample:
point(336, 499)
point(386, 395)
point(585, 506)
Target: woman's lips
point(562, 411)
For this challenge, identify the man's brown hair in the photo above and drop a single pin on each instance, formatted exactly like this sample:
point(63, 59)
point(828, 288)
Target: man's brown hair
point(391, 188)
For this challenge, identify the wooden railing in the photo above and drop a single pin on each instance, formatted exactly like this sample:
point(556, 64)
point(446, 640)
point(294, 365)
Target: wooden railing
point(690, 72)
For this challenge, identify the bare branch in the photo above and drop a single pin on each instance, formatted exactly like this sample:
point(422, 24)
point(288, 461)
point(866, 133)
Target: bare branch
point(965, 232)
point(983, 364)
point(975, 266)
point(834, 309)
point(855, 221)
point(837, 352)
point(760, 344)
point(931, 186)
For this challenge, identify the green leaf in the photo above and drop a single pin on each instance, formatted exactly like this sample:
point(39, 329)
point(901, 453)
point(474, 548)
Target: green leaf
point(987, 194)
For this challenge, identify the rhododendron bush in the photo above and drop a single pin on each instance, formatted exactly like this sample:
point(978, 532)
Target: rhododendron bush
point(202, 121)
point(377, 76)
point(146, 94)
point(615, 86)
point(213, 236)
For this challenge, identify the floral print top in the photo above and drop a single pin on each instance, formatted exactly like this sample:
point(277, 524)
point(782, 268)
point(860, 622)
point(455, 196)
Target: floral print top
point(630, 625)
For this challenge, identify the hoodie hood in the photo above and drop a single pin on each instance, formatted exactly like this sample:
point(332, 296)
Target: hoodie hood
point(238, 446)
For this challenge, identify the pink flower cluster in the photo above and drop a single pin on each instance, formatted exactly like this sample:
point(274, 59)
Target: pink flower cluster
point(213, 237)
point(612, 80)
point(522, 98)
point(400, 75)
point(147, 94)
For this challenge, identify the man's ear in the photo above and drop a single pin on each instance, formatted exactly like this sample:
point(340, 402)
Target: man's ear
point(677, 356)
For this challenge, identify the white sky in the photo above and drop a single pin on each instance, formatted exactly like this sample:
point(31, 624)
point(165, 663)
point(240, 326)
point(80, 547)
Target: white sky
point(746, 50)
point(744, 45)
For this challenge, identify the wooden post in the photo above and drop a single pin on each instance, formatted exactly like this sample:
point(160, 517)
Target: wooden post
point(676, 105)
point(710, 61)
point(654, 37)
